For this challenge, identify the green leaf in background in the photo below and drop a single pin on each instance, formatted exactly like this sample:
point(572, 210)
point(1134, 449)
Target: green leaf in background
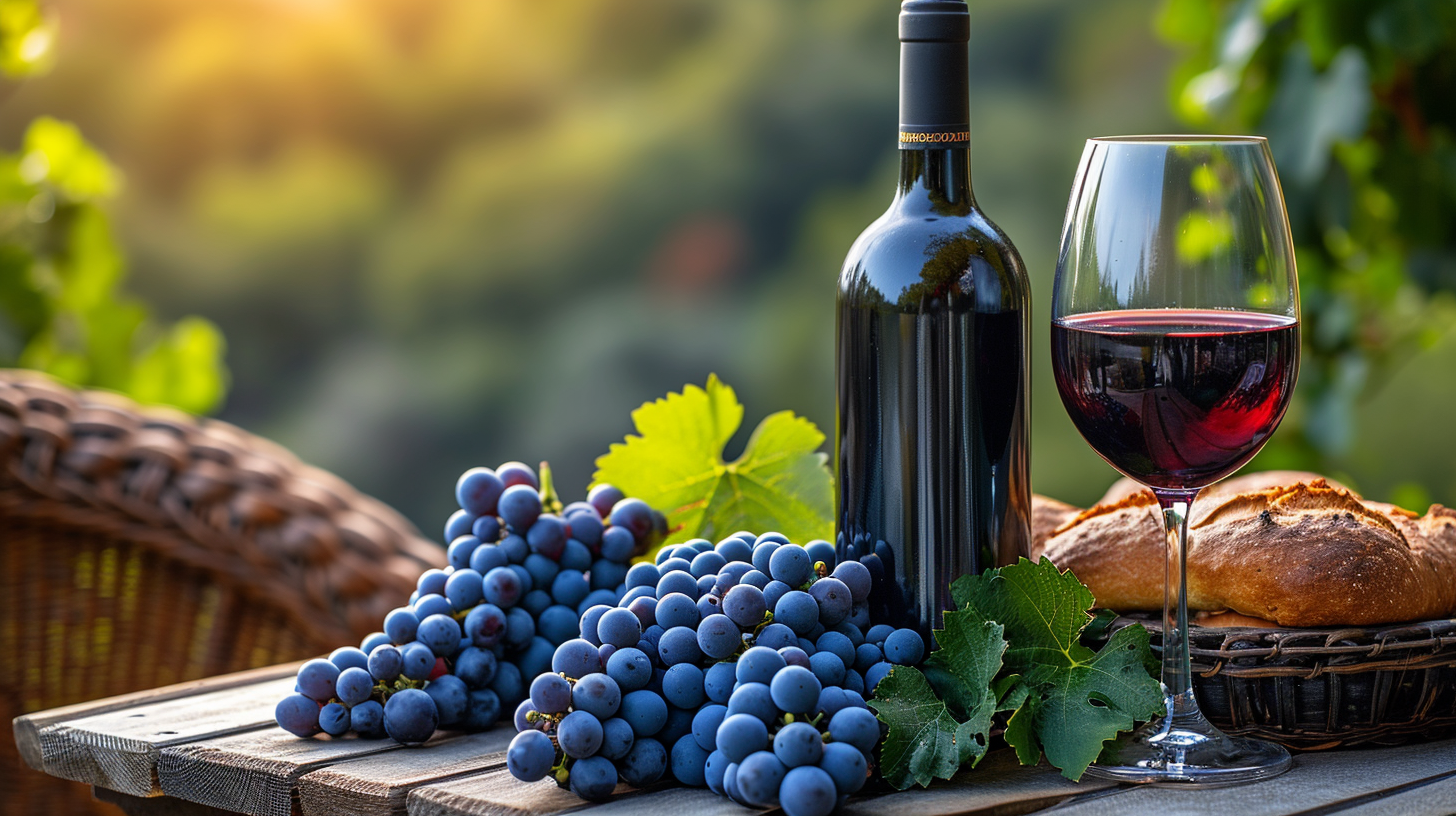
point(940, 720)
point(675, 463)
point(1076, 699)
point(26, 38)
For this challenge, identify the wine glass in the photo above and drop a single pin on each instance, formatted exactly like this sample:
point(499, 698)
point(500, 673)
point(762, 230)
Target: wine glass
point(1175, 346)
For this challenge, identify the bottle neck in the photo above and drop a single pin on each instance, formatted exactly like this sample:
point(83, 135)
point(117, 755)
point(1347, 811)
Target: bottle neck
point(935, 180)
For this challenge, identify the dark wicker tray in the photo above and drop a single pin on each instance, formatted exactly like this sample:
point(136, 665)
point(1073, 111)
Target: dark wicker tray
point(1324, 688)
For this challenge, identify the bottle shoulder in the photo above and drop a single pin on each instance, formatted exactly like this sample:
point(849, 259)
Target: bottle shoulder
point(917, 259)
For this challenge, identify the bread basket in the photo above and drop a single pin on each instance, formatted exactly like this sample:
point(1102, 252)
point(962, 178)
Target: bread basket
point(1322, 688)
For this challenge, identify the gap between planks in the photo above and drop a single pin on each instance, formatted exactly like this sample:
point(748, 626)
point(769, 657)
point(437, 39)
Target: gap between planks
point(378, 785)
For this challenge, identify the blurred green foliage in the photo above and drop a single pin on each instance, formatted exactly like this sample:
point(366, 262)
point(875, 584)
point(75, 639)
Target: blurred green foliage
point(61, 308)
point(1358, 99)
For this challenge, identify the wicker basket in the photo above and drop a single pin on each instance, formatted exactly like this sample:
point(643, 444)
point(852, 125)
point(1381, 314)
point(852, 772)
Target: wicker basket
point(143, 547)
point(1324, 688)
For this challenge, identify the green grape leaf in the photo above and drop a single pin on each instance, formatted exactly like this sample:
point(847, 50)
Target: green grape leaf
point(1076, 699)
point(940, 719)
point(675, 463)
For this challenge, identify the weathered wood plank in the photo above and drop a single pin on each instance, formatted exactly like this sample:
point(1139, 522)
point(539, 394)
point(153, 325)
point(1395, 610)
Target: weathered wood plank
point(999, 784)
point(258, 772)
point(28, 728)
point(495, 793)
point(118, 750)
point(1431, 799)
point(380, 784)
point(1318, 783)
point(673, 802)
point(154, 805)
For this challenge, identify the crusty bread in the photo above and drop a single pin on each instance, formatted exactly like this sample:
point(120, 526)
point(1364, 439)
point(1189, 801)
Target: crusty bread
point(1287, 547)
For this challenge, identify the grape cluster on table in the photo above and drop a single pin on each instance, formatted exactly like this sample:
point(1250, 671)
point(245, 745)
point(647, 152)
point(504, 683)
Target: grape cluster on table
point(740, 666)
point(477, 632)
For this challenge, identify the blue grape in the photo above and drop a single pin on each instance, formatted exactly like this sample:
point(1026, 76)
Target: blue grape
point(905, 647)
point(576, 556)
point(385, 663)
point(718, 637)
point(487, 529)
point(718, 682)
point(604, 497)
point(729, 576)
point(677, 609)
point(773, 591)
point(730, 783)
point(682, 685)
point(475, 666)
point(450, 696)
point(576, 658)
point(428, 605)
point(846, 765)
point(740, 735)
point(557, 624)
point(458, 525)
point(598, 695)
point(522, 718)
point(776, 636)
point(763, 555)
point(679, 645)
point(706, 563)
point(798, 743)
point(709, 605)
point(644, 711)
point(298, 715)
point(791, 565)
point(635, 515)
point(598, 597)
point(524, 576)
point(620, 628)
point(373, 641)
point(617, 739)
point(755, 699)
point(735, 550)
point(507, 684)
point(334, 719)
point(705, 725)
point(483, 710)
point(353, 686)
point(866, 655)
point(441, 633)
point(807, 791)
point(515, 548)
point(487, 557)
point(410, 717)
point(677, 581)
point(758, 665)
point(530, 756)
point(633, 594)
point(776, 537)
point(485, 625)
point(432, 582)
point(316, 679)
point(477, 491)
point(519, 507)
point(347, 657)
point(607, 574)
point(838, 644)
point(646, 611)
point(833, 598)
point(794, 656)
point(367, 719)
point(587, 528)
point(570, 587)
point(417, 661)
point(744, 605)
point(400, 625)
point(543, 570)
point(797, 610)
point(680, 562)
point(856, 577)
point(644, 764)
point(579, 734)
point(827, 667)
point(630, 668)
point(754, 578)
point(537, 657)
point(679, 725)
point(707, 584)
point(589, 620)
point(550, 693)
point(547, 536)
point(855, 726)
point(688, 761)
point(518, 473)
point(759, 778)
point(795, 690)
point(617, 544)
point(520, 628)
point(820, 550)
point(859, 616)
point(831, 701)
point(807, 646)
point(457, 555)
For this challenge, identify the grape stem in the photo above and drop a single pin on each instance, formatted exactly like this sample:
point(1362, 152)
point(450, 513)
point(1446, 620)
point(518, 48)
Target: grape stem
point(549, 500)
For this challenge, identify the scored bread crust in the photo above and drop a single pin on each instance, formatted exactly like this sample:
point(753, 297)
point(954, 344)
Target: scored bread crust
point(1287, 547)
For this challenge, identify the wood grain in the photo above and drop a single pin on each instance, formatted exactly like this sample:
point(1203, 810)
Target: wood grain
point(380, 784)
point(154, 805)
point(1319, 782)
point(258, 772)
point(28, 728)
point(118, 749)
point(999, 784)
point(495, 793)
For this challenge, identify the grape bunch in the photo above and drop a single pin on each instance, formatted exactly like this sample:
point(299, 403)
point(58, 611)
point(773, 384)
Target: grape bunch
point(741, 667)
point(521, 571)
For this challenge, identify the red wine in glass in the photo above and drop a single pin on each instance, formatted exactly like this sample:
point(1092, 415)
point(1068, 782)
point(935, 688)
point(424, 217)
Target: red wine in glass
point(1176, 398)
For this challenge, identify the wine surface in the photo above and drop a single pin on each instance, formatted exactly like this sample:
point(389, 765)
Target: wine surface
point(1176, 398)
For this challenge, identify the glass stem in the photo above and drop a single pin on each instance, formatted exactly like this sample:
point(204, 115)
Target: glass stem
point(1177, 675)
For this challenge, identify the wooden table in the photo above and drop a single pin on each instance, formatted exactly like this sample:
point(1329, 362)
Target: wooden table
point(211, 746)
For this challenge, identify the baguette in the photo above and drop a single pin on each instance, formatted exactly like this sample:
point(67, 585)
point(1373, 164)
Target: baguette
point(1287, 547)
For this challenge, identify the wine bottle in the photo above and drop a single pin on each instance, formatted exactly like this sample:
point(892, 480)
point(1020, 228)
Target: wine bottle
point(932, 430)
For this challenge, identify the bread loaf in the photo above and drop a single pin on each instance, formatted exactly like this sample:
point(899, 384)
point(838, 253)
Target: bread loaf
point(1292, 548)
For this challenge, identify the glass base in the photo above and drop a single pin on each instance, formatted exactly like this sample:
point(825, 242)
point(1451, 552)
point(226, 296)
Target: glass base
point(1193, 753)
